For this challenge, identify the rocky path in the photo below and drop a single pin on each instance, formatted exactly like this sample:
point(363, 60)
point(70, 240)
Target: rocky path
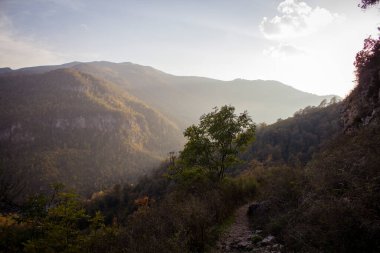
point(241, 238)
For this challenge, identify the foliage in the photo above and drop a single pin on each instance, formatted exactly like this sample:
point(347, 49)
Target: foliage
point(294, 141)
point(332, 204)
point(55, 223)
point(188, 218)
point(184, 217)
point(368, 57)
point(10, 189)
point(366, 3)
point(214, 144)
point(361, 107)
point(67, 126)
point(118, 202)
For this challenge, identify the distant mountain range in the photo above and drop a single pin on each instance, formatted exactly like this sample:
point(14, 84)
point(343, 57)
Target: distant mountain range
point(90, 125)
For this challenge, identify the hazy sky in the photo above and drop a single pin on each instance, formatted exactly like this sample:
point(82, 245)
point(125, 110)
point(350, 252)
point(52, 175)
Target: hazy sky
point(310, 44)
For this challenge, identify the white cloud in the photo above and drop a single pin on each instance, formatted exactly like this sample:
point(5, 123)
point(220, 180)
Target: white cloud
point(296, 19)
point(283, 50)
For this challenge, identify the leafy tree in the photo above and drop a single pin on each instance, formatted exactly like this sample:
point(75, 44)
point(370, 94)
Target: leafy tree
point(366, 3)
point(368, 57)
point(10, 189)
point(214, 143)
point(56, 222)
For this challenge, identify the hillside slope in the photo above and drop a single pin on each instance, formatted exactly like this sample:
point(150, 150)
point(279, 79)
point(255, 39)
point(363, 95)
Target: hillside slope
point(68, 126)
point(293, 141)
point(185, 98)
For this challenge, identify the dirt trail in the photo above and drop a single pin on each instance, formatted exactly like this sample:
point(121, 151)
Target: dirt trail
point(240, 237)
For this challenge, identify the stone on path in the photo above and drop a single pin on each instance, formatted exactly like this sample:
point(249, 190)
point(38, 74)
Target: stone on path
point(241, 238)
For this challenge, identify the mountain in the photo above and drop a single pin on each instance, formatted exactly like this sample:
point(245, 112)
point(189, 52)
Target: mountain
point(91, 125)
point(71, 127)
point(185, 98)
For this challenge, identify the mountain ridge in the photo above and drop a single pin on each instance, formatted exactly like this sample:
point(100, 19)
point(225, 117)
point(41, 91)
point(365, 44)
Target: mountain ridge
point(183, 99)
point(46, 68)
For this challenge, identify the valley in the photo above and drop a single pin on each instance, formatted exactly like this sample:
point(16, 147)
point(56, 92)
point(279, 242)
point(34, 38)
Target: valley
point(115, 122)
point(102, 155)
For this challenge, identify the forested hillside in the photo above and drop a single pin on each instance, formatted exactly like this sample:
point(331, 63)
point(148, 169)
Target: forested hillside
point(66, 126)
point(111, 122)
point(293, 141)
point(329, 205)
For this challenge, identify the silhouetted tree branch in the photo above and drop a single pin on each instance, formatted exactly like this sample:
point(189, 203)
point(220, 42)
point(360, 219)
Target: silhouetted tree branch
point(367, 3)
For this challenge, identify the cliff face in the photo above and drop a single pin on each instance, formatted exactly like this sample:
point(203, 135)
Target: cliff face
point(362, 106)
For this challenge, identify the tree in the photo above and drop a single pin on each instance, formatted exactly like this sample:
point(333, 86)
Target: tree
point(57, 221)
point(366, 3)
point(10, 189)
point(367, 58)
point(214, 143)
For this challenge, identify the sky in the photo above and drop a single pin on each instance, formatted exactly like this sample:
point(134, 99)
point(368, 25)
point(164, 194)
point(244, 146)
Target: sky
point(308, 44)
